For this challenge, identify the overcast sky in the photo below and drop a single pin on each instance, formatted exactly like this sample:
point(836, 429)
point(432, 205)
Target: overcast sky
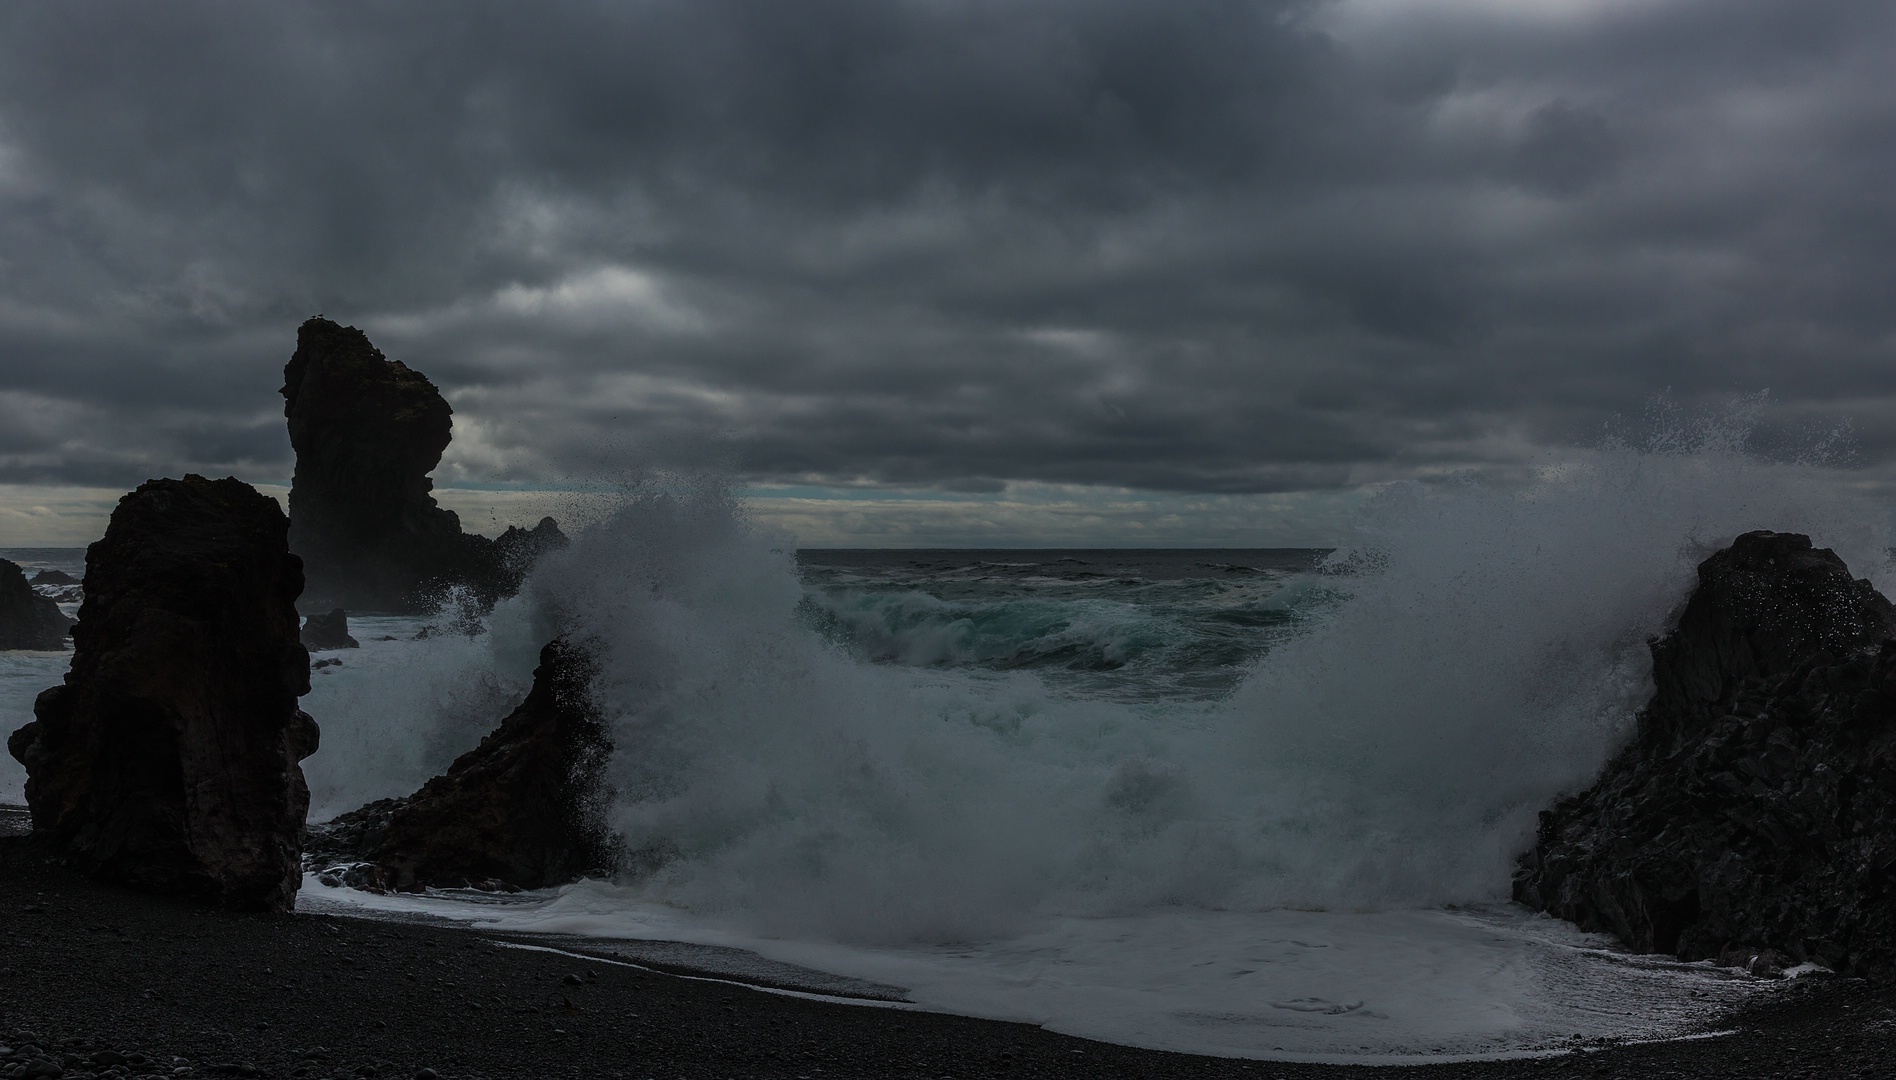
point(1015, 271)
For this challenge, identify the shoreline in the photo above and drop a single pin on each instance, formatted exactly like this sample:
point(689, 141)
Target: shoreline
point(310, 995)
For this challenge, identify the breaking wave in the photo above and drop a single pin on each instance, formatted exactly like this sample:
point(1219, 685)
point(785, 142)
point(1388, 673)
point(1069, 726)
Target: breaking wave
point(1482, 651)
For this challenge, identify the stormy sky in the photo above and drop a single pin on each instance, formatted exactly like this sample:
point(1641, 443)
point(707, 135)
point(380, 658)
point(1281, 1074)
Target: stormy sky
point(1000, 271)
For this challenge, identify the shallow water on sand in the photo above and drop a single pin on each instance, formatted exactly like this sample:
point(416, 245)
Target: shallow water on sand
point(1387, 987)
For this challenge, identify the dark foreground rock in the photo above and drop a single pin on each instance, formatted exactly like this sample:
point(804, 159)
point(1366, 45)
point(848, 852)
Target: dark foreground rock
point(88, 971)
point(367, 431)
point(1753, 817)
point(329, 630)
point(27, 619)
point(520, 810)
point(168, 760)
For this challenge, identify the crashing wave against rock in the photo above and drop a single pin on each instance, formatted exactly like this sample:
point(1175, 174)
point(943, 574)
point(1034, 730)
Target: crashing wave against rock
point(1753, 818)
point(519, 811)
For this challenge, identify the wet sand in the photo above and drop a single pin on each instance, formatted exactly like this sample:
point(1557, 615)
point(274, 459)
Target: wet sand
point(155, 987)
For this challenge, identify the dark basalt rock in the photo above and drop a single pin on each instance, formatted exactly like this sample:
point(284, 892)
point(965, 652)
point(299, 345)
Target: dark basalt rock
point(517, 550)
point(329, 630)
point(367, 431)
point(27, 619)
point(53, 577)
point(1752, 819)
point(521, 810)
point(168, 760)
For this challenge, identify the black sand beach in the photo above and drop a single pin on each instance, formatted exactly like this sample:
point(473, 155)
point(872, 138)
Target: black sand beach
point(153, 987)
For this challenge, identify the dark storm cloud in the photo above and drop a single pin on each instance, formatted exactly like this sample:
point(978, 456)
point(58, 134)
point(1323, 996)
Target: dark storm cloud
point(1194, 245)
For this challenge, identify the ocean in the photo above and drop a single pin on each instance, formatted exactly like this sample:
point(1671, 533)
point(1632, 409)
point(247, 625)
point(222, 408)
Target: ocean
point(1261, 803)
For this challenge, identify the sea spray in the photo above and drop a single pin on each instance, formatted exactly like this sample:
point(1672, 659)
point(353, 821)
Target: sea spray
point(1486, 652)
point(399, 711)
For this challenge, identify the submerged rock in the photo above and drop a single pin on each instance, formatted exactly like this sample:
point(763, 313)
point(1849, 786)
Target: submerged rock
point(521, 810)
point(367, 431)
point(168, 760)
point(27, 619)
point(1752, 819)
point(329, 630)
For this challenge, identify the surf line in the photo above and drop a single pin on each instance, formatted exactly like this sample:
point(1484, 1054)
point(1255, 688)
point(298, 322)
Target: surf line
point(834, 999)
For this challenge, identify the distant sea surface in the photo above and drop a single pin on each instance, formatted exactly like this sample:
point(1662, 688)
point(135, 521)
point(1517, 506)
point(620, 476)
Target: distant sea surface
point(1133, 624)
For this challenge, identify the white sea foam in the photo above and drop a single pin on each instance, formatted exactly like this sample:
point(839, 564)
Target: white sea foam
point(1395, 986)
point(1006, 849)
point(1486, 653)
point(395, 712)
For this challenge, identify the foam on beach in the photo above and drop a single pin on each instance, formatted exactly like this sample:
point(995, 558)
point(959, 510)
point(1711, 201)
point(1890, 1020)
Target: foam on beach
point(1389, 987)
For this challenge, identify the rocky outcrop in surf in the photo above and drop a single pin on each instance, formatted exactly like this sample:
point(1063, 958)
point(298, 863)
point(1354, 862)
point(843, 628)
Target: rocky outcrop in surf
point(27, 619)
point(1752, 819)
point(521, 810)
point(367, 431)
point(328, 630)
point(168, 759)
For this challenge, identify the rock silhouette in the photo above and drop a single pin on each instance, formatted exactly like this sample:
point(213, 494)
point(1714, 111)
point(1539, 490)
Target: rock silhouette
point(1752, 819)
point(329, 630)
point(168, 759)
point(27, 619)
point(521, 810)
point(53, 577)
point(367, 431)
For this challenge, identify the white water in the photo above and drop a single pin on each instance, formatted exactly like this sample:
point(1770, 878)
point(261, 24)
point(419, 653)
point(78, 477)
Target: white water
point(1489, 656)
point(1002, 849)
point(1393, 986)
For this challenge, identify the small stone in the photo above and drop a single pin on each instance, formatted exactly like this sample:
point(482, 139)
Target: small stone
point(105, 1059)
point(572, 980)
point(427, 1074)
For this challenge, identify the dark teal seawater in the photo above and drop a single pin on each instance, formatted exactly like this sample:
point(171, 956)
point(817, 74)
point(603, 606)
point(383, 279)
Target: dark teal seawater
point(1127, 624)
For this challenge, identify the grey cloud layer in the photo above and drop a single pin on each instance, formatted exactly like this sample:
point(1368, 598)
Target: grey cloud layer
point(1193, 245)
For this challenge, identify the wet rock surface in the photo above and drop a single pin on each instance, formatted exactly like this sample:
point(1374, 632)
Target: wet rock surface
point(367, 431)
point(27, 619)
point(328, 630)
point(53, 577)
point(521, 810)
point(1752, 820)
point(168, 759)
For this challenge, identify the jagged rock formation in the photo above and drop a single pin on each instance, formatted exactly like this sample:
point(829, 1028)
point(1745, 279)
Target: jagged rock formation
point(517, 550)
point(329, 630)
point(27, 619)
point(521, 810)
point(168, 760)
point(1753, 817)
point(367, 431)
point(53, 577)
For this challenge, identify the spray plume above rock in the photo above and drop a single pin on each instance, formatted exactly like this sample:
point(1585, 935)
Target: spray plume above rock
point(168, 759)
point(1753, 817)
point(367, 431)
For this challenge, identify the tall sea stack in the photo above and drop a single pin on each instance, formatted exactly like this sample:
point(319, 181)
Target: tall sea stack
point(168, 760)
point(367, 431)
point(1753, 817)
